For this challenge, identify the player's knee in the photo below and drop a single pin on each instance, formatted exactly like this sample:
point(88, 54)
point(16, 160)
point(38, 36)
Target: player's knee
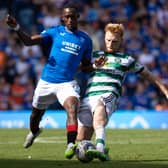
point(37, 113)
point(71, 105)
point(100, 120)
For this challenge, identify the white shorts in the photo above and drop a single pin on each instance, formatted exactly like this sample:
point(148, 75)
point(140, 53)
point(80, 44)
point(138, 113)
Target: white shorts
point(47, 93)
point(88, 105)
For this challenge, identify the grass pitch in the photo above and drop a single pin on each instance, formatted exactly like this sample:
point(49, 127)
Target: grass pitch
point(128, 149)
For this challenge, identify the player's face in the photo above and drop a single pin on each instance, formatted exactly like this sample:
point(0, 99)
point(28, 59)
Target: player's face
point(112, 42)
point(70, 18)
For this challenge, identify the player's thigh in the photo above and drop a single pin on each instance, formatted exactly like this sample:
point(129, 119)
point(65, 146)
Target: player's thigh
point(100, 115)
point(85, 117)
point(67, 90)
point(44, 95)
point(104, 108)
point(111, 103)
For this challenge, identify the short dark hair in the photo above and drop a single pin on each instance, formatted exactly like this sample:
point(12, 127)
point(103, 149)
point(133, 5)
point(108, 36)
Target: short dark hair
point(71, 5)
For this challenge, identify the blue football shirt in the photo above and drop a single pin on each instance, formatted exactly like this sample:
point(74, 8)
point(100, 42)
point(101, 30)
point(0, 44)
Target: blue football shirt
point(67, 50)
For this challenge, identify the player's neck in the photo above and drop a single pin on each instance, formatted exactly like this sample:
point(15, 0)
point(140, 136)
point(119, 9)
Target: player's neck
point(70, 31)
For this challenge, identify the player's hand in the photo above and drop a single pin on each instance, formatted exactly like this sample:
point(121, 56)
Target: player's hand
point(11, 21)
point(100, 61)
point(164, 91)
point(166, 94)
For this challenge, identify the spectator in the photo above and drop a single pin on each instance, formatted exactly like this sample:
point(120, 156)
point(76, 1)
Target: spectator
point(4, 94)
point(18, 91)
point(145, 21)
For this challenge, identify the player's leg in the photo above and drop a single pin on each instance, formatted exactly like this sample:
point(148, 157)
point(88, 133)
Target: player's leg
point(103, 110)
point(85, 122)
point(99, 122)
point(71, 107)
point(84, 133)
point(43, 96)
point(68, 97)
point(35, 119)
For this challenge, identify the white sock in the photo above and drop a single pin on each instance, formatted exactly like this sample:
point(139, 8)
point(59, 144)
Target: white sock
point(100, 138)
point(100, 147)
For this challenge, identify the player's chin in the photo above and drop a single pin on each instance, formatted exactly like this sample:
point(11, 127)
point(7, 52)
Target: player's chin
point(71, 27)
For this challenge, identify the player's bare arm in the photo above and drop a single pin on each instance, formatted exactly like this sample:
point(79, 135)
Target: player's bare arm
point(85, 66)
point(100, 61)
point(153, 79)
point(27, 40)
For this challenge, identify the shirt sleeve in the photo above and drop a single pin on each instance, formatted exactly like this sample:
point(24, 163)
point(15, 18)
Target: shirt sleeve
point(48, 35)
point(135, 66)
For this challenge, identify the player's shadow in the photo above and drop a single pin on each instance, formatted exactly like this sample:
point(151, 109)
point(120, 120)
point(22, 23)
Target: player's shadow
point(29, 163)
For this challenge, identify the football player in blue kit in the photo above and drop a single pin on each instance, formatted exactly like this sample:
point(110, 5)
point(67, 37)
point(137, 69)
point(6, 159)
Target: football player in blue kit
point(70, 49)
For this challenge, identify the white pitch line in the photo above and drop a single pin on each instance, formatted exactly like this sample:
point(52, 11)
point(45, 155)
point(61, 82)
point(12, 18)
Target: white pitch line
point(53, 139)
point(62, 140)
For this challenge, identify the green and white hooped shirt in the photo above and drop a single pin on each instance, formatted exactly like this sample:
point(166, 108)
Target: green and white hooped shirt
point(109, 78)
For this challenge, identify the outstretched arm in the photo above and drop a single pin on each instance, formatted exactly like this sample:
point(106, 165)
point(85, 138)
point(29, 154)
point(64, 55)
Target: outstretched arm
point(27, 40)
point(86, 66)
point(153, 79)
point(100, 61)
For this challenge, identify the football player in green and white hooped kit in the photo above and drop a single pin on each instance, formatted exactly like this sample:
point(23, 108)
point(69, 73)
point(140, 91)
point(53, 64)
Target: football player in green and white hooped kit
point(104, 88)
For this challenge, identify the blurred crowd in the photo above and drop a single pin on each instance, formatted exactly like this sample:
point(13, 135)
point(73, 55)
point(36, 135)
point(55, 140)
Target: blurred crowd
point(146, 38)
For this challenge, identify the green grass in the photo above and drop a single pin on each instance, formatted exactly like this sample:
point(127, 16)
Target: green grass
point(128, 149)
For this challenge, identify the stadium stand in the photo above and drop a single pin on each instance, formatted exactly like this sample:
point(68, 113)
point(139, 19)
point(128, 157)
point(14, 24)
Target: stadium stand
point(146, 23)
